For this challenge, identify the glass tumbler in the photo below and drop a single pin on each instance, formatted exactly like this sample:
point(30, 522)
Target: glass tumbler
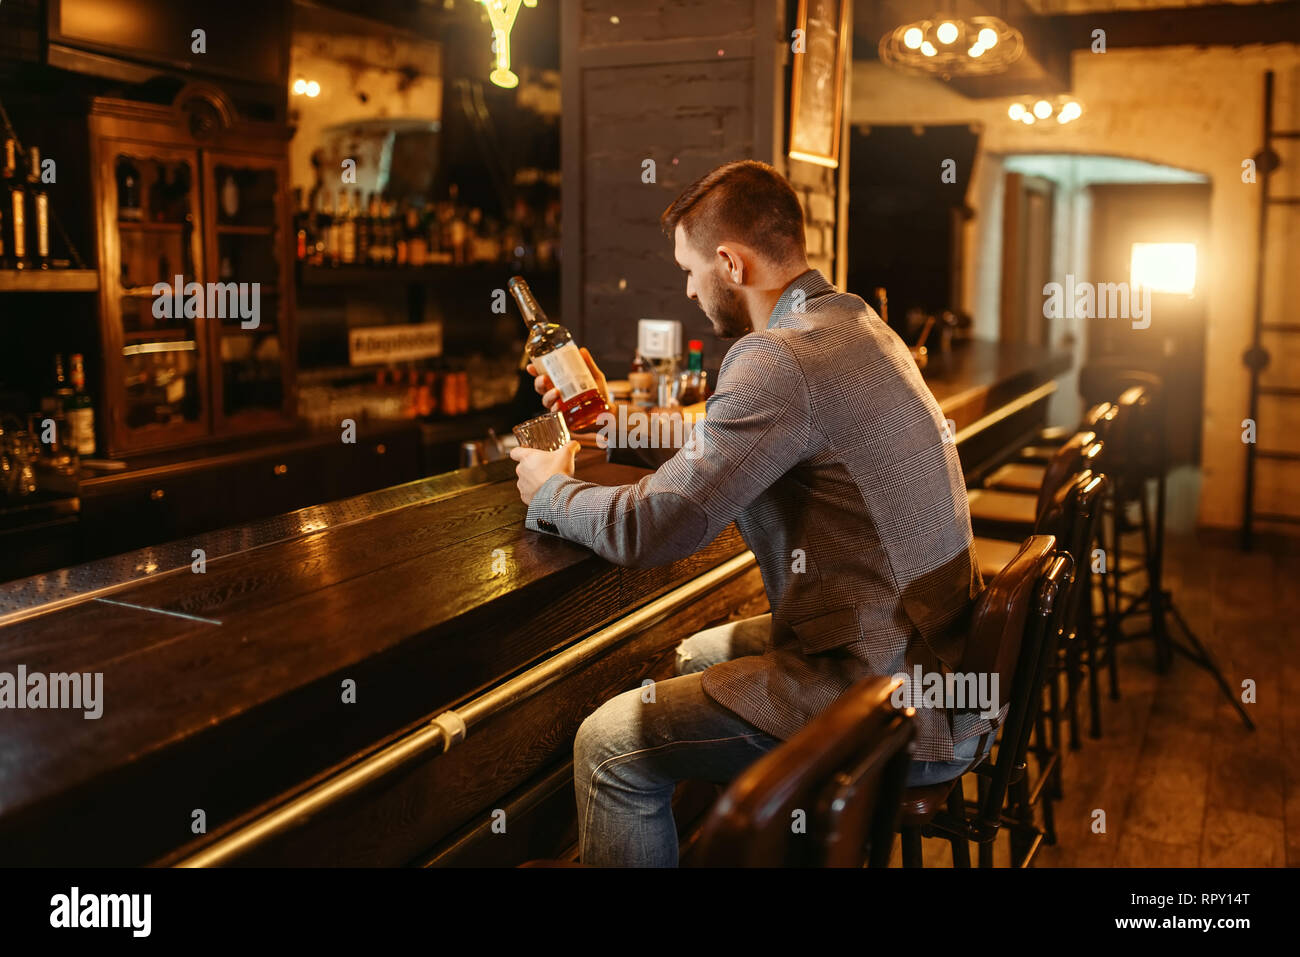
point(546, 432)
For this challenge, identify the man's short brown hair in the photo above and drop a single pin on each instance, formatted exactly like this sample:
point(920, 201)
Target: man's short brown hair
point(747, 201)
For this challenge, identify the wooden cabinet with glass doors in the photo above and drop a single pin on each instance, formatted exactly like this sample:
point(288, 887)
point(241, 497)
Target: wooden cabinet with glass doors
point(195, 287)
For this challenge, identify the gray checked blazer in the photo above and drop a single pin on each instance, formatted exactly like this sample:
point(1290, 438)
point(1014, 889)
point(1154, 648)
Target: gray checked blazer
point(824, 446)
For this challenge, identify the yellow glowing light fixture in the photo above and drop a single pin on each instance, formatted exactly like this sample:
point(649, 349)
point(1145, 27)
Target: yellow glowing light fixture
point(947, 32)
point(912, 38)
point(502, 15)
point(1164, 267)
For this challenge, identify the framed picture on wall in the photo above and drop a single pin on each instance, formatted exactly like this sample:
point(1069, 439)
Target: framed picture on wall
point(817, 89)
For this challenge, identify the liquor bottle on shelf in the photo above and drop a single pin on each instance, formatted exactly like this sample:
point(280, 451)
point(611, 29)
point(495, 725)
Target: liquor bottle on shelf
point(411, 398)
point(551, 347)
point(425, 400)
point(417, 244)
point(401, 244)
point(333, 232)
point(128, 191)
point(432, 230)
point(9, 159)
point(39, 239)
point(375, 228)
point(347, 230)
point(301, 231)
point(365, 230)
point(365, 215)
point(229, 198)
point(59, 388)
point(79, 410)
point(390, 234)
point(59, 452)
point(8, 167)
point(15, 199)
point(378, 235)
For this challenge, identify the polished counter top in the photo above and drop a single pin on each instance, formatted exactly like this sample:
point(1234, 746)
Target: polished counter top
point(978, 376)
point(224, 688)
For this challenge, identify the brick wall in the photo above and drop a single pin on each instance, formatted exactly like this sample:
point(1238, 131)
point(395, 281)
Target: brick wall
point(816, 186)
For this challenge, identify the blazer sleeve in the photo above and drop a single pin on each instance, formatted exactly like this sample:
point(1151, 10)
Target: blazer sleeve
point(758, 426)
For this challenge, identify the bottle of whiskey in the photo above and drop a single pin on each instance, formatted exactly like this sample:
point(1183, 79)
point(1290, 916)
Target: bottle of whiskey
point(8, 165)
point(347, 230)
point(374, 226)
point(329, 230)
point(79, 410)
point(302, 234)
point(59, 391)
point(40, 214)
point(15, 199)
point(365, 226)
point(551, 348)
point(128, 190)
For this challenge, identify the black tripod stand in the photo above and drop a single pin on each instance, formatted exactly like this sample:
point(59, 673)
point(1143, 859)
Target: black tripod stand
point(1155, 601)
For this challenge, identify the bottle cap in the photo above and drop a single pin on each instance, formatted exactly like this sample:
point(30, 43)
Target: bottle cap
point(695, 345)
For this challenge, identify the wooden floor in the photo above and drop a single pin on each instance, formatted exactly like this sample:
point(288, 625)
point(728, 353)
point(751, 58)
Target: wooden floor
point(1180, 779)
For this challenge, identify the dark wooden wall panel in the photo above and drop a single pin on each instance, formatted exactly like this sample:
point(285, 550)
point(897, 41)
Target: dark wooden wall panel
point(689, 84)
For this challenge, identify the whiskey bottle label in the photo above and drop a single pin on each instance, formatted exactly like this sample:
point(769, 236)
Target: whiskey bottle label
point(568, 370)
point(81, 429)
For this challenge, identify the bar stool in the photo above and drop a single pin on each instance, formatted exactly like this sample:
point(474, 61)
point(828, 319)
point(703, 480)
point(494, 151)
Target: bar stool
point(1025, 474)
point(1011, 635)
point(1075, 519)
point(845, 771)
point(1140, 480)
point(996, 513)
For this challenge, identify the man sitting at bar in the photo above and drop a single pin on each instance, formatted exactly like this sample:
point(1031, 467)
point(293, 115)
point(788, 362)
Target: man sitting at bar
point(824, 446)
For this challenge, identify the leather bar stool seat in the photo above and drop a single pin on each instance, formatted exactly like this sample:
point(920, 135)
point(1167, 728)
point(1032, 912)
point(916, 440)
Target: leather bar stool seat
point(1049, 441)
point(1017, 477)
point(1037, 453)
point(993, 505)
point(994, 554)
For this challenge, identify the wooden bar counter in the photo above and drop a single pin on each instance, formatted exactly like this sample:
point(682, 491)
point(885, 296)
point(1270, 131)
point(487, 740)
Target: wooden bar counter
point(227, 691)
point(390, 679)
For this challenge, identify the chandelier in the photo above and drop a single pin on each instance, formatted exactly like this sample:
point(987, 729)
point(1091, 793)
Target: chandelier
point(953, 46)
point(1045, 113)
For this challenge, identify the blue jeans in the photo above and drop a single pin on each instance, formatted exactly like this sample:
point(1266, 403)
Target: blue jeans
point(630, 753)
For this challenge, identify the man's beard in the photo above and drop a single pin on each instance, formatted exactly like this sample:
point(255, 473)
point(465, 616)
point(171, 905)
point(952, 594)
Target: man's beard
point(726, 311)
